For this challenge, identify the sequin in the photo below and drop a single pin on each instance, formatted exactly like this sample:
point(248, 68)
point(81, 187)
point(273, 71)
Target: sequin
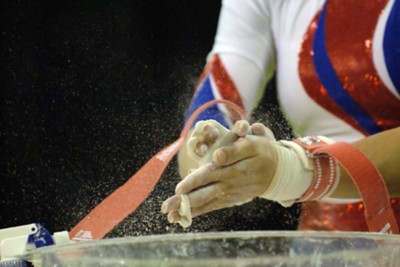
point(312, 84)
point(371, 107)
point(324, 216)
point(205, 91)
point(350, 53)
point(225, 85)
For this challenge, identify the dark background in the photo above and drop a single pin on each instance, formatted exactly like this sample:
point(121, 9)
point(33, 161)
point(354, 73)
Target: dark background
point(90, 90)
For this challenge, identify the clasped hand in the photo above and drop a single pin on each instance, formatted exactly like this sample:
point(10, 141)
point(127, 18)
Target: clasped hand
point(238, 172)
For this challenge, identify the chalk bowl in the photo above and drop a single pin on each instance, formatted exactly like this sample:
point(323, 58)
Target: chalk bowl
point(267, 248)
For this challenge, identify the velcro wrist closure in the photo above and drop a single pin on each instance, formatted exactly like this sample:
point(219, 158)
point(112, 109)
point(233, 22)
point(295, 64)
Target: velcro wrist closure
point(326, 169)
point(301, 175)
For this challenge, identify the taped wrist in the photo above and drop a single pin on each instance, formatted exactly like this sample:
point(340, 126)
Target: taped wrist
point(301, 175)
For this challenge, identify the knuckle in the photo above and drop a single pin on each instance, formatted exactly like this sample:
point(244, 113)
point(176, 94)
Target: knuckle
point(210, 132)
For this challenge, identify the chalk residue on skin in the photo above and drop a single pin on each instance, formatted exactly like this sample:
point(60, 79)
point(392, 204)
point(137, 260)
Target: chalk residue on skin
point(184, 212)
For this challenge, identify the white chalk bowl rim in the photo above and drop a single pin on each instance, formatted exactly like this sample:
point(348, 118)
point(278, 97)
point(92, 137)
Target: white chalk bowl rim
point(388, 244)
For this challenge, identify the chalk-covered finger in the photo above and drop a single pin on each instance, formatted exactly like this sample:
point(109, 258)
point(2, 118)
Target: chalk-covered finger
point(240, 150)
point(200, 177)
point(204, 139)
point(171, 204)
point(210, 132)
point(260, 129)
point(173, 216)
point(203, 195)
point(241, 128)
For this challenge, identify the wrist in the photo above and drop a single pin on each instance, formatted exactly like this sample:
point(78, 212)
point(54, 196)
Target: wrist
point(300, 175)
point(291, 179)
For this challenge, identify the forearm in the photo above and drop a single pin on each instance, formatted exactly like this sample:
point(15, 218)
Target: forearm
point(383, 150)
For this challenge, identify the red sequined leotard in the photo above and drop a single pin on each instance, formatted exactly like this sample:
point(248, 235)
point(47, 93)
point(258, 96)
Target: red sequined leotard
point(337, 64)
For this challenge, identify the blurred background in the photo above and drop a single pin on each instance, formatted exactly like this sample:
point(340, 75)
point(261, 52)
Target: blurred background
point(90, 90)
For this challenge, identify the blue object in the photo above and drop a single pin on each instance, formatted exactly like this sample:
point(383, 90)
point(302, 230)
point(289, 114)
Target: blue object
point(41, 238)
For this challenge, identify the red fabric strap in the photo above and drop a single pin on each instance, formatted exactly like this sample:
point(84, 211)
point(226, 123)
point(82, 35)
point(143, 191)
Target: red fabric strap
point(129, 196)
point(370, 184)
point(325, 171)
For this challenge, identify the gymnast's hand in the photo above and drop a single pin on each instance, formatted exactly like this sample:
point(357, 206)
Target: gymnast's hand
point(209, 135)
point(239, 172)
